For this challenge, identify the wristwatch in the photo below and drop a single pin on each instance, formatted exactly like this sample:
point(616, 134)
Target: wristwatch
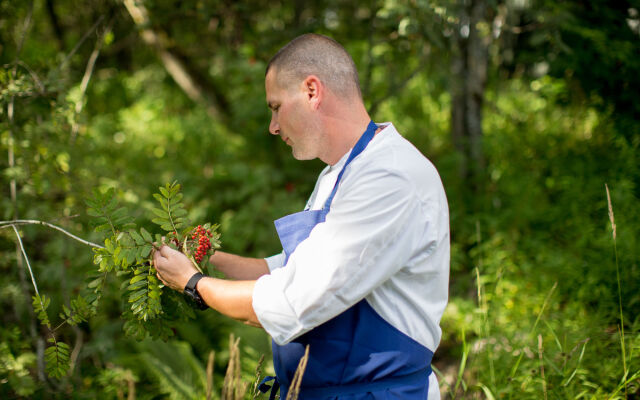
point(191, 293)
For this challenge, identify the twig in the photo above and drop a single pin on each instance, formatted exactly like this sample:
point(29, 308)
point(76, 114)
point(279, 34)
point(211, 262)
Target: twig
point(6, 224)
point(76, 350)
point(33, 279)
point(35, 77)
point(77, 46)
point(27, 22)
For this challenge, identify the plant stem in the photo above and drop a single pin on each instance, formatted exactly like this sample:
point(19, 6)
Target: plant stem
point(7, 224)
point(33, 279)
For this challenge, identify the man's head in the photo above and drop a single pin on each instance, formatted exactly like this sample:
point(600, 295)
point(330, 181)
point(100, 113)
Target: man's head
point(313, 92)
point(313, 54)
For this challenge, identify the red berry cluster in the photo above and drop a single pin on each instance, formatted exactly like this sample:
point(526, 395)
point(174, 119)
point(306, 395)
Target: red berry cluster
point(203, 236)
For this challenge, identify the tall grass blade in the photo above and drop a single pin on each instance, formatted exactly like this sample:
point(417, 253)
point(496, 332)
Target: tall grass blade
point(615, 250)
point(463, 364)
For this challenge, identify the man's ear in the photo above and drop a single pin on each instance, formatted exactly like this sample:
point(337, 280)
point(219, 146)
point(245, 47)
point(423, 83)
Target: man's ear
point(314, 89)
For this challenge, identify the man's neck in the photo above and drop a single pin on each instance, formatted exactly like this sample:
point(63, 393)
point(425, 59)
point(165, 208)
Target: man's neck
point(343, 132)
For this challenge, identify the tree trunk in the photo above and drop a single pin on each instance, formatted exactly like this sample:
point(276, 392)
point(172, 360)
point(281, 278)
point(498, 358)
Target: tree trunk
point(469, 75)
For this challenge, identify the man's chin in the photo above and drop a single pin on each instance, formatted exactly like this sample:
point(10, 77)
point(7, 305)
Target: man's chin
point(301, 156)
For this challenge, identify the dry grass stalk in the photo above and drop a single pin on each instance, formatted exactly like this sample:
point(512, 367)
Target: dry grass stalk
point(544, 381)
point(294, 392)
point(256, 391)
point(233, 388)
point(212, 355)
point(611, 217)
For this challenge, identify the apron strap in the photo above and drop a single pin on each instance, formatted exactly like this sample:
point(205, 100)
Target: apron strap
point(264, 388)
point(357, 149)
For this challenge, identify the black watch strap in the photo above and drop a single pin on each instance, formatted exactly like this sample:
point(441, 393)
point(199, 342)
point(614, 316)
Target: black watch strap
point(192, 293)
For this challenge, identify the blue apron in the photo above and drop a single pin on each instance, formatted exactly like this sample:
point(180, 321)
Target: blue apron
point(356, 355)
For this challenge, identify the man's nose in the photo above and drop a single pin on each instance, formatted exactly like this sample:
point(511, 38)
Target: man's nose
point(274, 128)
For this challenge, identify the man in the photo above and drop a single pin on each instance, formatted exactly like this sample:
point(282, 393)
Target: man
point(363, 277)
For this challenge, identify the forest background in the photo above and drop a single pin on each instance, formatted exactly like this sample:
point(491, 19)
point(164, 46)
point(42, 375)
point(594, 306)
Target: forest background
point(528, 108)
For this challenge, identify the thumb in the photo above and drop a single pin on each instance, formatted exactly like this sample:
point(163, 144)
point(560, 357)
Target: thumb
point(166, 251)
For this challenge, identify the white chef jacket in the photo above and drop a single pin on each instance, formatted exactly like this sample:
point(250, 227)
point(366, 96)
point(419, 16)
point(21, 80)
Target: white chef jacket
point(385, 239)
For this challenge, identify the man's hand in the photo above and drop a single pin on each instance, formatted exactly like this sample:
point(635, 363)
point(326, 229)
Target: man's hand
point(174, 268)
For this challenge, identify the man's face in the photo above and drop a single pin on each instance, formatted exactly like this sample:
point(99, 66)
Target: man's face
point(291, 117)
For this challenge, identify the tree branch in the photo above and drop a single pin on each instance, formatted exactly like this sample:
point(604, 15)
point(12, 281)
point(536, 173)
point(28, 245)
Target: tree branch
point(85, 82)
point(77, 46)
point(180, 71)
point(14, 223)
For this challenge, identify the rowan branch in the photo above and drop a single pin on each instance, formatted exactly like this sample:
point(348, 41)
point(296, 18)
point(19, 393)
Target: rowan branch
point(15, 222)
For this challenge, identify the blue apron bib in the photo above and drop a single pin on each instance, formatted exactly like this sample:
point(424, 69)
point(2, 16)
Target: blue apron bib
point(356, 355)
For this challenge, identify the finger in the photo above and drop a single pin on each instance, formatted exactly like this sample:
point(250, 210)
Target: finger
point(166, 251)
point(161, 280)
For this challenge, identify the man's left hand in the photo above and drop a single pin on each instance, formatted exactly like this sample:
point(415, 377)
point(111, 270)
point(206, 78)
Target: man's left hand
point(174, 268)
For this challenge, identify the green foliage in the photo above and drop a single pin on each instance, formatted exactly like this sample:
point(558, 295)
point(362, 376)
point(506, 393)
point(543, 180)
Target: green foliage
point(56, 357)
point(79, 312)
point(15, 366)
point(171, 217)
point(128, 251)
point(40, 304)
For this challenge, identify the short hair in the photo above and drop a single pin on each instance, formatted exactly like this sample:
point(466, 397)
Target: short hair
point(314, 54)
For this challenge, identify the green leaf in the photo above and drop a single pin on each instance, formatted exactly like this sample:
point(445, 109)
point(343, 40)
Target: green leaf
point(137, 237)
point(161, 200)
point(164, 192)
point(57, 359)
point(95, 283)
point(167, 227)
point(146, 235)
point(137, 285)
point(119, 213)
point(102, 228)
point(138, 278)
point(93, 212)
point(159, 221)
point(146, 251)
point(137, 295)
point(179, 212)
point(160, 213)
